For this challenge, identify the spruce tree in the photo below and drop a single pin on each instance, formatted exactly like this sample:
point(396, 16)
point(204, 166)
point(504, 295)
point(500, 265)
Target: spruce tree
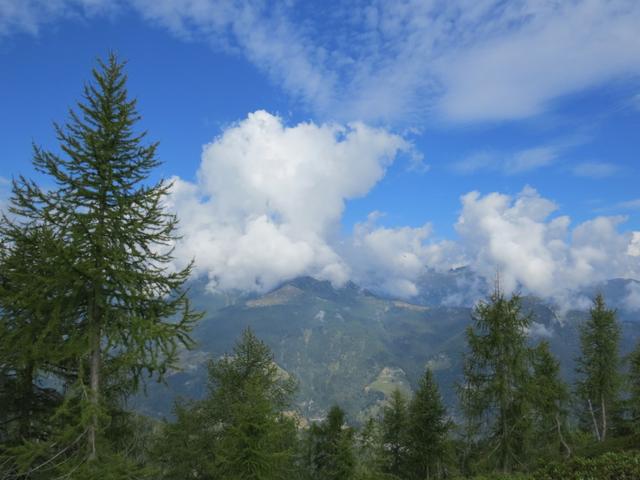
point(634, 387)
point(427, 432)
point(131, 314)
point(549, 397)
point(395, 424)
point(496, 376)
point(599, 381)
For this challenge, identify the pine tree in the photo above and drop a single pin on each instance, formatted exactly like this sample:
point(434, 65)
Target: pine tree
point(599, 381)
point(496, 377)
point(549, 397)
point(427, 432)
point(395, 424)
point(251, 394)
point(331, 455)
point(131, 313)
point(369, 449)
point(634, 387)
point(31, 300)
point(239, 431)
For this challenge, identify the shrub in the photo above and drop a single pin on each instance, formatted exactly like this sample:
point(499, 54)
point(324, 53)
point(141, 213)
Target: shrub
point(610, 466)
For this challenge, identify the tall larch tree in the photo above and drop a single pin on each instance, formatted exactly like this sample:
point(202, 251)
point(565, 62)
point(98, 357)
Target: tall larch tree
point(331, 443)
point(395, 424)
point(634, 387)
point(132, 313)
point(239, 430)
point(496, 376)
point(599, 380)
point(427, 431)
point(33, 309)
point(549, 397)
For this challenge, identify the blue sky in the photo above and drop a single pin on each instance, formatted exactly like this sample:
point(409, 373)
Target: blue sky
point(534, 105)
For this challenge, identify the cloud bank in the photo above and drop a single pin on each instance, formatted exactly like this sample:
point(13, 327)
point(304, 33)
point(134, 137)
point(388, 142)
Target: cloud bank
point(269, 199)
point(531, 248)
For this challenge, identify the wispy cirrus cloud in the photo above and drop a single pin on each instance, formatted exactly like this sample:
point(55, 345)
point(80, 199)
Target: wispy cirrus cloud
point(5, 191)
point(513, 163)
point(595, 169)
point(399, 61)
point(29, 16)
point(629, 204)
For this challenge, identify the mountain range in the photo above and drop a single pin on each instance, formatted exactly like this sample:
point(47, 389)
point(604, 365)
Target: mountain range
point(351, 346)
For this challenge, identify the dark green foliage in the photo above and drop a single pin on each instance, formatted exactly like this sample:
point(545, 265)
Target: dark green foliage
point(549, 398)
point(111, 309)
point(369, 450)
point(502, 476)
point(239, 431)
point(427, 432)
point(32, 311)
point(395, 426)
point(634, 388)
point(496, 378)
point(610, 466)
point(598, 387)
point(329, 450)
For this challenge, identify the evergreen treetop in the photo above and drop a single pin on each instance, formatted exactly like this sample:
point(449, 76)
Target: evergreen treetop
point(598, 366)
point(130, 313)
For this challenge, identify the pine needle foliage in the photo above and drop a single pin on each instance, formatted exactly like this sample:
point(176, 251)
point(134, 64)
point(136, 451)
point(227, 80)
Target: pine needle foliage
point(395, 424)
point(428, 455)
point(239, 431)
point(634, 388)
point(496, 377)
point(599, 380)
point(549, 396)
point(129, 313)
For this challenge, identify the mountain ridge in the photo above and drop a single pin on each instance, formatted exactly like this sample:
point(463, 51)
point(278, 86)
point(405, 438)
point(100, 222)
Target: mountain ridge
point(339, 341)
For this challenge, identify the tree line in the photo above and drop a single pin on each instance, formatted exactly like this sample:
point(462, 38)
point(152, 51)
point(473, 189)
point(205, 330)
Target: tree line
point(91, 307)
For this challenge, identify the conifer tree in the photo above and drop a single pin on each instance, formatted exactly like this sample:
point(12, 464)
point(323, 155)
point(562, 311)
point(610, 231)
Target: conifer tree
point(27, 340)
point(549, 397)
point(427, 432)
point(634, 387)
point(599, 382)
point(130, 312)
point(395, 424)
point(369, 448)
point(331, 455)
point(496, 376)
point(239, 431)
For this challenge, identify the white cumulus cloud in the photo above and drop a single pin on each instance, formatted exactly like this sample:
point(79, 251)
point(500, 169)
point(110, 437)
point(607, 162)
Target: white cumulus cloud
point(530, 248)
point(269, 198)
point(394, 258)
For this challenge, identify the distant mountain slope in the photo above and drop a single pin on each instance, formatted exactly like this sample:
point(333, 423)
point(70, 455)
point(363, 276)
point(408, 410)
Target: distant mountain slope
point(351, 347)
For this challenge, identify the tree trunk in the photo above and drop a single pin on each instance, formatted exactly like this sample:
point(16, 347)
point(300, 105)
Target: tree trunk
point(604, 419)
point(26, 401)
point(564, 443)
point(94, 394)
point(595, 422)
